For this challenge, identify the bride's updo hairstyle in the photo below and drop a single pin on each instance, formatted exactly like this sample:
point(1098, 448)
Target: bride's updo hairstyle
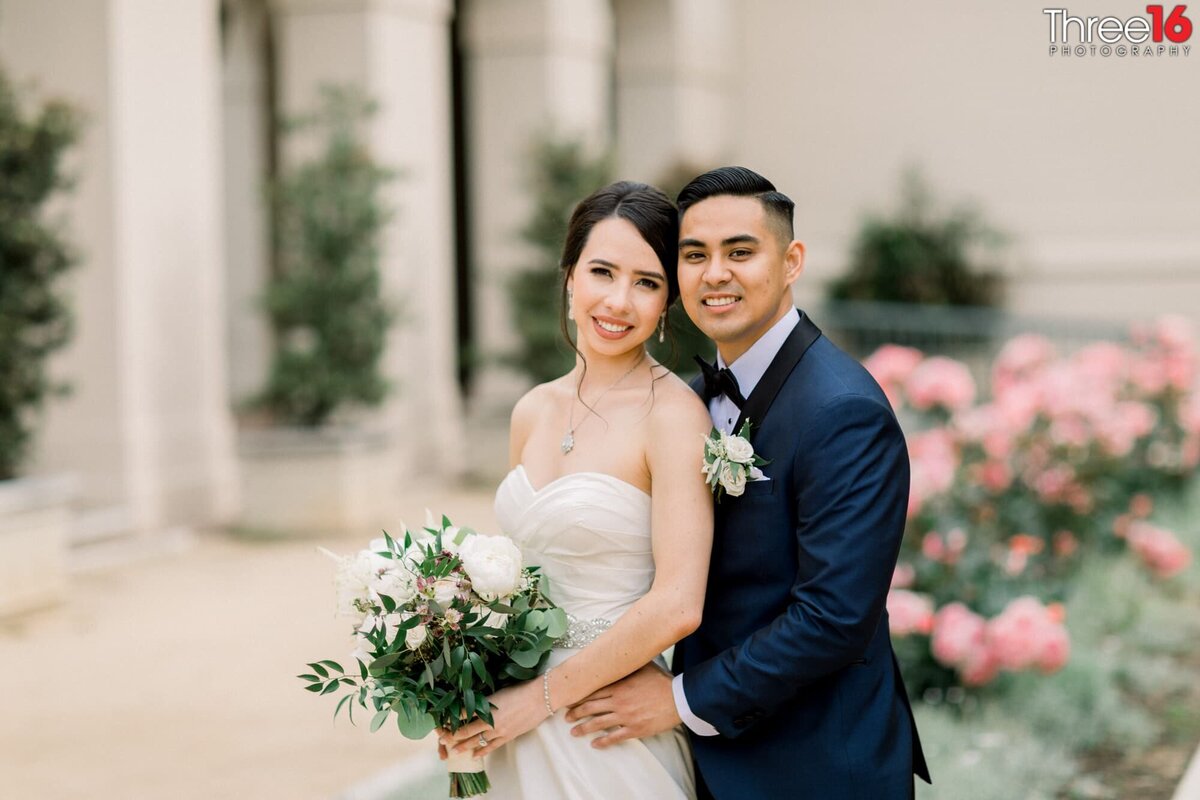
point(646, 208)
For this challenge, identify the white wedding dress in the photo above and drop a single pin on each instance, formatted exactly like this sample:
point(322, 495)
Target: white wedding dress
point(590, 534)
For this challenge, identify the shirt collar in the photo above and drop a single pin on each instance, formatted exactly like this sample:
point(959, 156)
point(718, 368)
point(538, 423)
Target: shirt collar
point(751, 365)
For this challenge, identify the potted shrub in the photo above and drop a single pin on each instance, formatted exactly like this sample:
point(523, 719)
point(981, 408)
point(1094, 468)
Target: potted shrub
point(311, 465)
point(35, 321)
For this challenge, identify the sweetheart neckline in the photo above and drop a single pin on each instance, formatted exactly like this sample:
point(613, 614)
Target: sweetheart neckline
point(560, 478)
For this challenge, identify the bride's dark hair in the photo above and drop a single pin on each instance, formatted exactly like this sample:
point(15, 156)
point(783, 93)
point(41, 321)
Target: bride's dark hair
point(646, 208)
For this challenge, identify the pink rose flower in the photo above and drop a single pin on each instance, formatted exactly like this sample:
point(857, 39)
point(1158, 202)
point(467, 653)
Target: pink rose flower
point(1024, 634)
point(957, 633)
point(909, 612)
point(890, 366)
point(941, 382)
point(903, 576)
point(1158, 548)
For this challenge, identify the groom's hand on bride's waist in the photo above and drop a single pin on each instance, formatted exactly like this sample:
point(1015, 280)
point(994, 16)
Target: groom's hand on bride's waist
point(634, 707)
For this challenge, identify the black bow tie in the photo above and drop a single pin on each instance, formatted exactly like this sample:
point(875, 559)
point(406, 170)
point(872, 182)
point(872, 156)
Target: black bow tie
point(720, 381)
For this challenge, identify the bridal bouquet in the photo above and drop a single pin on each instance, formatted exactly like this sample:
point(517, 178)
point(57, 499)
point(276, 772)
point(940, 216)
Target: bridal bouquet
point(443, 617)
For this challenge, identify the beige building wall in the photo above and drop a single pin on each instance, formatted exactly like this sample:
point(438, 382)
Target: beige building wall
point(147, 431)
point(1090, 163)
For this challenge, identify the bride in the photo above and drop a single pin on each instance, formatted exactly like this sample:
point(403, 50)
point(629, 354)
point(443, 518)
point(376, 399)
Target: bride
point(606, 495)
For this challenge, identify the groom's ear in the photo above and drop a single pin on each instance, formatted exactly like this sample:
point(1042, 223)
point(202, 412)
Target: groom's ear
point(793, 261)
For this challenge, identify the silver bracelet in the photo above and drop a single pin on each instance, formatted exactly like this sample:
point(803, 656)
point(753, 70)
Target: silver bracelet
point(546, 691)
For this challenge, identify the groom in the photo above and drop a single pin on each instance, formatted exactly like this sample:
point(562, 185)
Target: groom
point(789, 687)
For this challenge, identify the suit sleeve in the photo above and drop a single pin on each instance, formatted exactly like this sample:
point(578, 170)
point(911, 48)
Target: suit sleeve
point(851, 481)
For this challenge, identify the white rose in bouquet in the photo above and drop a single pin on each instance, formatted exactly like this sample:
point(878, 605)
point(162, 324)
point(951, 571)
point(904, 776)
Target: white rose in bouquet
point(415, 637)
point(734, 480)
point(737, 449)
point(397, 584)
point(493, 563)
point(444, 591)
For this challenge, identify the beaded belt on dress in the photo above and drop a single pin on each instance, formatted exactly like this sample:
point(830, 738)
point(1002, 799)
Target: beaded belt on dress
point(582, 632)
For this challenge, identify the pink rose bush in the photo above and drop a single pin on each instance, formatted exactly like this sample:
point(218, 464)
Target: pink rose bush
point(1063, 454)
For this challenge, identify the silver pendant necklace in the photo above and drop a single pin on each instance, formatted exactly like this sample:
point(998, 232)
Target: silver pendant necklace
point(568, 440)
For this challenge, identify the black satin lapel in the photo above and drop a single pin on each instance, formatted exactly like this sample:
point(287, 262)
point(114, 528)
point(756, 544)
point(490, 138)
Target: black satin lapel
point(794, 347)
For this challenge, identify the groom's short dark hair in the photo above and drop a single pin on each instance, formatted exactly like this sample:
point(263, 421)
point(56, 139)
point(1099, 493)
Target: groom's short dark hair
point(742, 182)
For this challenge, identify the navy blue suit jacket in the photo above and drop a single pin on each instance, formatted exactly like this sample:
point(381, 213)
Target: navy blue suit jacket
point(792, 662)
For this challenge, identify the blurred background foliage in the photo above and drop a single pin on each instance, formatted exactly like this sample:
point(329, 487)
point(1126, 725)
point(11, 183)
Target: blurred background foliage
point(324, 301)
point(35, 317)
point(922, 254)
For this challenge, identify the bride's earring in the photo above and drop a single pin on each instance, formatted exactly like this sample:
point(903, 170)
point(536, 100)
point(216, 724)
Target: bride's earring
point(662, 327)
point(570, 311)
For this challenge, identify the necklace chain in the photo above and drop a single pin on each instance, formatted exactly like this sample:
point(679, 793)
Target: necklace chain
point(568, 441)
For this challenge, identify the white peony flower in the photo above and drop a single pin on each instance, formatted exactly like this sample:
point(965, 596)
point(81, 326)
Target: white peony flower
point(493, 563)
point(733, 480)
point(415, 637)
point(737, 449)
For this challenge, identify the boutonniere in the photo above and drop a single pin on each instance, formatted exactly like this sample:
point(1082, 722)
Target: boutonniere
point(730, 462)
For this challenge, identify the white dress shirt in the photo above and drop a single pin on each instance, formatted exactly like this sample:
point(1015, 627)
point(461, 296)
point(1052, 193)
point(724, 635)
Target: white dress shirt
point(748, 369)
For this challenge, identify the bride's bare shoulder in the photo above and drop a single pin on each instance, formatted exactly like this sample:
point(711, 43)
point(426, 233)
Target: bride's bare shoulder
point(539, 401)
point(677, 406)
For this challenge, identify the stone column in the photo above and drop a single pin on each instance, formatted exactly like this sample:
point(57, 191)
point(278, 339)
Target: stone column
point(533, 67)
point(398, 51)
point(246, 121)
point(674, 78)
point(147, 430)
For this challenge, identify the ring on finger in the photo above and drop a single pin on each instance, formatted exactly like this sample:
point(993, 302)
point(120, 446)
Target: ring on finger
point(483, 742)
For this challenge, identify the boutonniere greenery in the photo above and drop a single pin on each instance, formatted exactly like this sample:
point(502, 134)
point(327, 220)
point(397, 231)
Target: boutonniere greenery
point(730, 462)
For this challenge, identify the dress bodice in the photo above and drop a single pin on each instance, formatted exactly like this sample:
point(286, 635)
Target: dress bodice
point(590, 534)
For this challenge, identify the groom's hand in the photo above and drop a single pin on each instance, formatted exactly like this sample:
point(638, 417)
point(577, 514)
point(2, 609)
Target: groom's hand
point(634, 707)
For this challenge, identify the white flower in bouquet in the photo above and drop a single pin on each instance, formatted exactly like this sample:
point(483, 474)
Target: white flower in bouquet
point(354, 579)
point(444, 591)
point(396, 583)
point(416, 637)
point(737, 449)
point(450, 538)
point(734, 480)
point(493, 563)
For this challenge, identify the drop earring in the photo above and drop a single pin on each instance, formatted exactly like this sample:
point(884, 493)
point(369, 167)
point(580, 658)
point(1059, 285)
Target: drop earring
point(570, 311)
point(662, 327)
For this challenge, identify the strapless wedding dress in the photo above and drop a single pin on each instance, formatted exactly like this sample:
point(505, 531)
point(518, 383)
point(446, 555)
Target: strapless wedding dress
point(590, 534)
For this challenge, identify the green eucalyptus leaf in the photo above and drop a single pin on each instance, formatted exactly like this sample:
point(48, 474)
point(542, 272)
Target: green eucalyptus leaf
point(526, 658)
point(313, 687)
point(317, 668)
point(385, 661)
point(330, 687)
point(378, 720)
point(556, 622)
point(308, 677)
point(335, 666)
point(341, 703)
point(413, 724)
